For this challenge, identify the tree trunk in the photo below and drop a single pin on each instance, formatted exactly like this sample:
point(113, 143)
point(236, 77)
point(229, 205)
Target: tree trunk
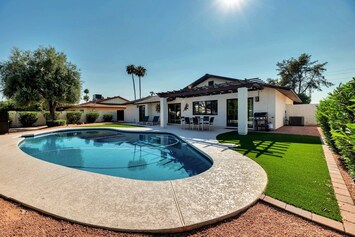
point(52, 108)
point(134, 88)
point(140, 90)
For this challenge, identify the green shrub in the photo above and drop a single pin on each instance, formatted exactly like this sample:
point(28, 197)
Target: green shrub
point(107, 117)
point(73, 117)
point(54, 123)
point(27, 119)
point(10, 121)
point(91, 117)
point(47, 115)
point(323, 122)
point(336, 116)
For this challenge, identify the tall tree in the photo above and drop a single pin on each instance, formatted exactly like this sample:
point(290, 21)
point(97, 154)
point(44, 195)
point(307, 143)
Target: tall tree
point(302, 75)
point(140, 72)
point(86, 96)
point(43, 75)
point(131, 70)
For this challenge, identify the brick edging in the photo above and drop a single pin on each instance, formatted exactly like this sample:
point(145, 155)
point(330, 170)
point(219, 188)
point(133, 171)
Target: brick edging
point(342, 195)
point(336, 225)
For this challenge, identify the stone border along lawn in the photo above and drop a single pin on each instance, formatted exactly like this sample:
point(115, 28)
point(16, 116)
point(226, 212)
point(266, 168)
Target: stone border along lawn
point(296, 168)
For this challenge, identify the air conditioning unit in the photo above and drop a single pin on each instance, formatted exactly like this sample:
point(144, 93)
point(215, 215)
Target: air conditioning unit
point(296, 121)
point(96, 97)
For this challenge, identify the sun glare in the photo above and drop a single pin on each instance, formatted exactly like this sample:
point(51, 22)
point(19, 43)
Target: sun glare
point(230, 5)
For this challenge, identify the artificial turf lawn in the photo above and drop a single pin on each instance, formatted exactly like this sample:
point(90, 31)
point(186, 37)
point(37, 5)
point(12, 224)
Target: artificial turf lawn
point(296, 169)
point(113, 125)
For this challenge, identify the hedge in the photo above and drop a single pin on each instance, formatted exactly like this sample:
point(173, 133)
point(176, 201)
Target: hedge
point(91, 117)
point(336, 117)
point(27, 119)
point(107, 117)
point(73, 117)
point(47, 115)
point(53, 123)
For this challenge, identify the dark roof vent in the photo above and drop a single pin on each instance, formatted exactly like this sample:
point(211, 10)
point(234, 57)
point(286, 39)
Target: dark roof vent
point(97, 97)
point(256, 80)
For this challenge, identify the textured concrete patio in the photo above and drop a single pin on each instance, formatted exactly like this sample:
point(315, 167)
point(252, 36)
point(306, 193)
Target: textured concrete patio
point(232, 184)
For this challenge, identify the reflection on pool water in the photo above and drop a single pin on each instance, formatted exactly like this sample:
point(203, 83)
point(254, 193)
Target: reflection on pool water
point(134, 155)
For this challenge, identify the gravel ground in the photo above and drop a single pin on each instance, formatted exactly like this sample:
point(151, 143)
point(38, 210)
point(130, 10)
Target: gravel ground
point(259, 220)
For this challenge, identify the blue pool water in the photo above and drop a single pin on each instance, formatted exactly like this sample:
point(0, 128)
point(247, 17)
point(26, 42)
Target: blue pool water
point(143, 156)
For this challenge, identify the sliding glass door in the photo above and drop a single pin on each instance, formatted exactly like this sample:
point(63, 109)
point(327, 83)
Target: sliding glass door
point(174, 114)
point(232, 112)
point(141, 113)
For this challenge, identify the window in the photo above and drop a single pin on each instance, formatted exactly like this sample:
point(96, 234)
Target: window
point(209, 107)
point(210, 83)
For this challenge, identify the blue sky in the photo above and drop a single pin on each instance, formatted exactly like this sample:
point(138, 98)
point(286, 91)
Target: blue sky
point(179, 41)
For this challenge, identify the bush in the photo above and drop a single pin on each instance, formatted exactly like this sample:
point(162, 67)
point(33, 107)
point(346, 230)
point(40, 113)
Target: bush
point(107, 117)
point(91, 117)
point(47, 115)
point(27, 119)
point(54, 123)
point(336, 117)
point(73, 117)
point(10, 121)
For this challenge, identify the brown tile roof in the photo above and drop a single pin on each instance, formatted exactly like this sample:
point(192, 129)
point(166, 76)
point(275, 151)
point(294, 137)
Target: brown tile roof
point(98, 105)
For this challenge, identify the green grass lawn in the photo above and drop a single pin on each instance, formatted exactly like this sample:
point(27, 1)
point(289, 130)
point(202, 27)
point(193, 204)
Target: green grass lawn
point(295, 166)
point(113, 125)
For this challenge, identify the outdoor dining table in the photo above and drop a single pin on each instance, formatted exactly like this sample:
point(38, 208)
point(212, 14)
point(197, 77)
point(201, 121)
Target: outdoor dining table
point(200, 122)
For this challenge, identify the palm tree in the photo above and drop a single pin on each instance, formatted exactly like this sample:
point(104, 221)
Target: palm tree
point(140, 72)
point(131, 70)
point(86, 96)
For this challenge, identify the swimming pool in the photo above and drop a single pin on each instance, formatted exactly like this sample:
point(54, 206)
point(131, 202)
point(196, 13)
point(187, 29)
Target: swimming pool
point(133, 155)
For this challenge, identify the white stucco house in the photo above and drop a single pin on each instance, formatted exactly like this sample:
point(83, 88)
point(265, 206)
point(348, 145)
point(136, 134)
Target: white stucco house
point(232, 102)
point(111, 105)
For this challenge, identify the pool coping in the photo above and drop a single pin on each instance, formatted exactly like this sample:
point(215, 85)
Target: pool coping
point(91, 199)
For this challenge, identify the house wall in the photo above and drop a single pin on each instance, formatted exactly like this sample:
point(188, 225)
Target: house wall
point(270, 101)
point(308, 111)
point(281, 102)
point(131, 114)
point(152, 110)
point(101, 112)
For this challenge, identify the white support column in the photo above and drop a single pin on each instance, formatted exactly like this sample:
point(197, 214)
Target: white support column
point(146, 110)
point(163, 112)
point(243, 111)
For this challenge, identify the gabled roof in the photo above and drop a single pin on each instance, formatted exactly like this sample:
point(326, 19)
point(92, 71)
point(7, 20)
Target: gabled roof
point(231, 86)
point(111, 98)
point(144, 100)
point(207, 76)
point(99, 105)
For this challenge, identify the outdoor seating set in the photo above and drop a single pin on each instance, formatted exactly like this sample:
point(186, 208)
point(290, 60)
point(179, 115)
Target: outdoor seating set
point(146, 121)
point(197, 122)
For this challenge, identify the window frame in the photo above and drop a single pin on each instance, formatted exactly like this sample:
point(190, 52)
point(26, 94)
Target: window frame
point(205, 107)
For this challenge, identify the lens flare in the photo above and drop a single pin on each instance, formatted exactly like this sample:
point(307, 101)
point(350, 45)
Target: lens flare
point(230, 5)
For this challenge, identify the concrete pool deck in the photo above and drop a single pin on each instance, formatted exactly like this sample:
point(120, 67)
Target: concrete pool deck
point(231, 185)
